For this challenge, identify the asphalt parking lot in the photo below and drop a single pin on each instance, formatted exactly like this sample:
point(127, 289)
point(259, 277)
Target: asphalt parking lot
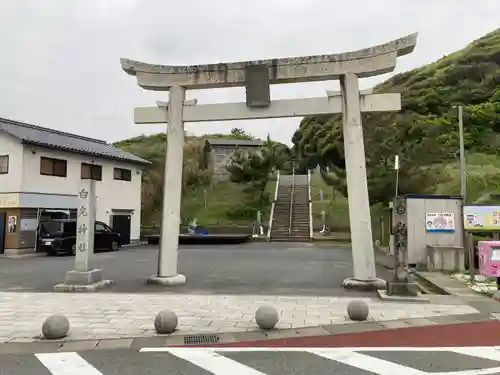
point(254, 268)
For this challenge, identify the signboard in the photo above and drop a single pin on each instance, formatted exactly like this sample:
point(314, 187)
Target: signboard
point(483, 218)
point(9, 200)
point(12, 224)
point(440, 222)
point(28, 224)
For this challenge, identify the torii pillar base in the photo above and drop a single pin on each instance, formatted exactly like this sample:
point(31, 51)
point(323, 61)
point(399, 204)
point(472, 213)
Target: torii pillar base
point(167, 280)
point(365, 285)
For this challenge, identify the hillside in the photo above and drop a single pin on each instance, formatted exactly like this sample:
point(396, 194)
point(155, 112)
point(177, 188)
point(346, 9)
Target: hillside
point(210, 204)
point(424, 134)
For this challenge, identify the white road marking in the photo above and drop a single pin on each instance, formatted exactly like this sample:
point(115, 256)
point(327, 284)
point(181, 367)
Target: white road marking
point(204, 357)
point(305, 349)
point(366, 362)
point(484, 371)
point(209, 359)
point(67, 364)
point(213, 362)
point(491, 353)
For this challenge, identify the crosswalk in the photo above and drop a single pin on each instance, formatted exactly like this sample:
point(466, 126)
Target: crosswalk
point(258, 361)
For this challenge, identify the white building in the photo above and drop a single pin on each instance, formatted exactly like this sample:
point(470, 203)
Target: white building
point(40, 169)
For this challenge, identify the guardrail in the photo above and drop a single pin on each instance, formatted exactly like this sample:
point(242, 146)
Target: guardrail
point(311, 231)
point(271, 216)
point(292, 194)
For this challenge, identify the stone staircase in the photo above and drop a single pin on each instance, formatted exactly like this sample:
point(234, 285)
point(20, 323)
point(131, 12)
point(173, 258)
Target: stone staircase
point(300, 210)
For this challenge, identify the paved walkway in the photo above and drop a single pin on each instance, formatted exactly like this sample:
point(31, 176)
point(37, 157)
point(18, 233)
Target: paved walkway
point(119, 315)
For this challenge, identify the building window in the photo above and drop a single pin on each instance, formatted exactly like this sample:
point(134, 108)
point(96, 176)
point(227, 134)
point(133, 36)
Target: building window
point(91, 172)
point(122, 174)
point(4, 164)
point(53, 167)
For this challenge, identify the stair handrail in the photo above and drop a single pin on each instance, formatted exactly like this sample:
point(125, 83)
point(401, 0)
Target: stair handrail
point(311, 230)
point(291, 200)
point(273, 205)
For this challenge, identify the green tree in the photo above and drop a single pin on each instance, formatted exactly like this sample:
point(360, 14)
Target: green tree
point(240, 133)
point(424, 134)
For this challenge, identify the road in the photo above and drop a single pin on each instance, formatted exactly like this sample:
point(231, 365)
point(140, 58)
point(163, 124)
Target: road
point(258, 361)
point(254, 268)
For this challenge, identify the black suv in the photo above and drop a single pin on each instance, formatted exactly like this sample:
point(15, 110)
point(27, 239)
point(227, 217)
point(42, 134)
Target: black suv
point(59, 236)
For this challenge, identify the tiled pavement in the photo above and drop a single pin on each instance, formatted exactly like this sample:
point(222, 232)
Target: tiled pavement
point(112, 316)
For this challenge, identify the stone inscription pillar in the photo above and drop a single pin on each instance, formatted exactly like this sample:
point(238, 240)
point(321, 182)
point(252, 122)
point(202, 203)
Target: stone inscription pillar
point(172, 191)
point(357, 189)
point(85, 225)
point(84, 278)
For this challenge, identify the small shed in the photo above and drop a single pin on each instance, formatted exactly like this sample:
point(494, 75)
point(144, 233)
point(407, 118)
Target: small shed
point(435, 230)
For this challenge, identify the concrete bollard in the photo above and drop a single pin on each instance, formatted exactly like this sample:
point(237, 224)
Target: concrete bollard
point(266, 317)
point(358, 310)
point(166, 322)
point(55, 327)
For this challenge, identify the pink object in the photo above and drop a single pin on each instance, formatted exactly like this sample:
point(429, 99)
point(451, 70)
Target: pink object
point(489, 258)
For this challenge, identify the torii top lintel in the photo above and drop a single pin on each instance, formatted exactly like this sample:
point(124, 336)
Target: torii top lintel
point(364, 63)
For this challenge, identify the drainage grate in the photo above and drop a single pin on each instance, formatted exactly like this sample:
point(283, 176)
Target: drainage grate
point(201, 339)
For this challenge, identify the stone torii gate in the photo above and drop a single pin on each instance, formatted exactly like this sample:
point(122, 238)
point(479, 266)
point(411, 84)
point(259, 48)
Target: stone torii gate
point(257, 76)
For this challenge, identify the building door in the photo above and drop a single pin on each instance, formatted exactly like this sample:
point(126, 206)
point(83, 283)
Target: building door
point(121, 224)
point(2, 232)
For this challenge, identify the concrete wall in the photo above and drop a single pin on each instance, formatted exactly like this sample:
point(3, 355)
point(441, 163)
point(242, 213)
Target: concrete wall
point(219, 157)
point(419, 238)
point(11, 182)
point(111, 194)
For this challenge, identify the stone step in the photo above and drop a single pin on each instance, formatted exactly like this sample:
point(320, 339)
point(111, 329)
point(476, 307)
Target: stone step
point(285, 231)
point(291, 239)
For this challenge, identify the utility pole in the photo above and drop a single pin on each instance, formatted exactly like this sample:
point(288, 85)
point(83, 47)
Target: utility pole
point(463, 175)
point(396, 167)
point(467, 237)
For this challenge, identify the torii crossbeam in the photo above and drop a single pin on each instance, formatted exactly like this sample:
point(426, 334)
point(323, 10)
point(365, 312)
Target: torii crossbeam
point(257, 76)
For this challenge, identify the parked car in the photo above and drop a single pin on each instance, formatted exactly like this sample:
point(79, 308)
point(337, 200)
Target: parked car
point(59, 236)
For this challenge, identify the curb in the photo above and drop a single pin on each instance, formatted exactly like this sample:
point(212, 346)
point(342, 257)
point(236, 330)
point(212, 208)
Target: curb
point(436, 285)
point(178, 339)
point(44, 255)
point(328, 241)
point(23, 256)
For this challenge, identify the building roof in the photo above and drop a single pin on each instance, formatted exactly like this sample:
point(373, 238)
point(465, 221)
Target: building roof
point(235, 142)
point(44, 137)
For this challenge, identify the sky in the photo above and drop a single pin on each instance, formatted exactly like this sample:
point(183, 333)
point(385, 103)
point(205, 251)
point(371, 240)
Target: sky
point(60, 59)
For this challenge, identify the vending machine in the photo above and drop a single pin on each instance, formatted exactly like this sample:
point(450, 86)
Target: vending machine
point(489, 258)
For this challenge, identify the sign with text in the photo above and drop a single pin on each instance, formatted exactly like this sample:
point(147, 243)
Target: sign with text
point(9, 200)
point(85, 224)
point(485, 218)
point(440, 222)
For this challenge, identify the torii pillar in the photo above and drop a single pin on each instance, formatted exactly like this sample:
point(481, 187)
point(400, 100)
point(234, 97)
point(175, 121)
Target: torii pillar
point(257, 76)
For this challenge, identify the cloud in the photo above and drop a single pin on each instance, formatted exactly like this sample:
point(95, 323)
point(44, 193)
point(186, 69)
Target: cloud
point(60, 59)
